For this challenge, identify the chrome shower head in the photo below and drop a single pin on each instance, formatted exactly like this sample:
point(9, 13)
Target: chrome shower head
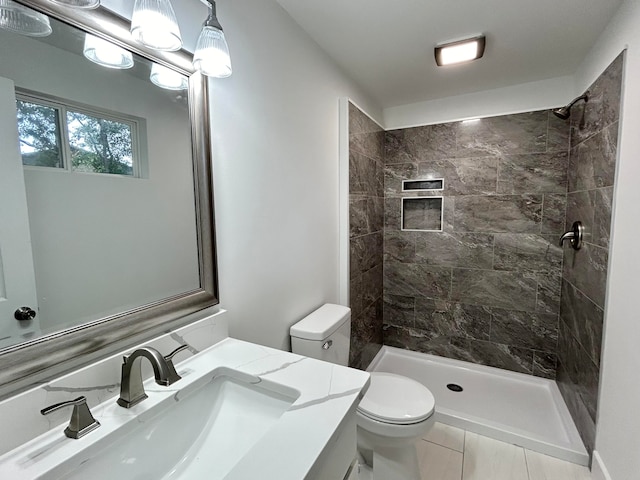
point(565, 112)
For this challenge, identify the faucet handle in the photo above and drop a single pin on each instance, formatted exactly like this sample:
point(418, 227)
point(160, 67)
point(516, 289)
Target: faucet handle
point(169, 357)
point(173, 375)
point(81, 423)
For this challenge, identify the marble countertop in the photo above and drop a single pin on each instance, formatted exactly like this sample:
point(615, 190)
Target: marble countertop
point(287, 451)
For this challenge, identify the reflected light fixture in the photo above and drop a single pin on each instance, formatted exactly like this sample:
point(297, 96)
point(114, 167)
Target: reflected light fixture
point(86, 4)
point(460, 51)
point(106, 54)
point(166, 78)
point(212, 52)
point(23, 20)
point(154, 25)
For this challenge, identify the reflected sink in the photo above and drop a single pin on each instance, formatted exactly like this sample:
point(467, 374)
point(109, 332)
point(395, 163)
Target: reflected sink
point(201, 431)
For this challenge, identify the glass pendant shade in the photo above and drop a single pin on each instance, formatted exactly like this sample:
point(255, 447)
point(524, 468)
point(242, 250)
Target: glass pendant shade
point(164, 77)
point(106, 54)
point(212, 53)
point(23, 20)
point(154, 25)
point(78, 3)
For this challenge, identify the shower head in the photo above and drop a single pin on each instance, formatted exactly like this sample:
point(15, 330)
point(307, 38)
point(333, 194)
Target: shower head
point(565, 112)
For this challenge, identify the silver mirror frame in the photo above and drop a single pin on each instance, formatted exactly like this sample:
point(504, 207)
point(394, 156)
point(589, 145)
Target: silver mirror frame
point(34, 361)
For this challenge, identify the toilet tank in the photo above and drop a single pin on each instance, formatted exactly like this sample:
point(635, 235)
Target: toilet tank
point(324, 334)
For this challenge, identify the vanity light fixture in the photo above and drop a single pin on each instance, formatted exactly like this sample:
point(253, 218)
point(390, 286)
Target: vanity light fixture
point(164, 77)
point(212, 52)
point(85, 4)
point(106, 54)
point(23, 20)
point(154, 25)
point(460, 51)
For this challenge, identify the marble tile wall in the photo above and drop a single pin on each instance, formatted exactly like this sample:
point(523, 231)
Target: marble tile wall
point(366, 215)
point(487, 288)
point(592, 163)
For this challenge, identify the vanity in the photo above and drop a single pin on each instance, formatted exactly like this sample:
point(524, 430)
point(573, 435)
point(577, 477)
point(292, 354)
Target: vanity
point(240, 411)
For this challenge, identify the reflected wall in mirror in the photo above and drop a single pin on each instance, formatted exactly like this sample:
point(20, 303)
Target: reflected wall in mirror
point(100, 212)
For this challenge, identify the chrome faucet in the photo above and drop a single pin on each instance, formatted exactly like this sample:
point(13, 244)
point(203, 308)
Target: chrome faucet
point(131, 387)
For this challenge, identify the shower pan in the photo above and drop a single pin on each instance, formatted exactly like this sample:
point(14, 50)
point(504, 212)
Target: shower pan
point(512, 407)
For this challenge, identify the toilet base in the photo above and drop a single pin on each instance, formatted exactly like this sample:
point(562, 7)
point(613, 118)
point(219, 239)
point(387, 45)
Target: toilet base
point(396, 464)
point(391, 458)
point(390, 464)
point(365, 472)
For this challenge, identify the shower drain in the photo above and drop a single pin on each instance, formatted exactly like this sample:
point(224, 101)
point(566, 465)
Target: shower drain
point(454, 387)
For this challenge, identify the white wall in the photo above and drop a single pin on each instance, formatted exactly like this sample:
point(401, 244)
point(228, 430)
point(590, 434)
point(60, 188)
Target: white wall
point(275, 147)
point(275, 157)
point(102, 242)
point(618, 425)
point(526, 97)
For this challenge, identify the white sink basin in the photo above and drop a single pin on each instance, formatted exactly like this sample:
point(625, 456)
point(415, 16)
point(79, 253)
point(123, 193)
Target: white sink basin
point(200, 432)
point(240, 412)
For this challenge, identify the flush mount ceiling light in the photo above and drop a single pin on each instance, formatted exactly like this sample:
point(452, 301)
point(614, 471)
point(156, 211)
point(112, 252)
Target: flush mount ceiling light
point(460, 51)
point(87, 4)
point(154, 25)
point(212, 52)
point(23, 20)
point(106, 54)
point(166, 78)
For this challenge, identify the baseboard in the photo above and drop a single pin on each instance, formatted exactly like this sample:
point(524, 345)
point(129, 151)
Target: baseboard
point(598, 470)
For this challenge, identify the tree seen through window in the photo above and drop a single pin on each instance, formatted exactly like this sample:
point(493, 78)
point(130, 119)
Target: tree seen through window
point(99, 145)
point(95, 144)
point(39, 132)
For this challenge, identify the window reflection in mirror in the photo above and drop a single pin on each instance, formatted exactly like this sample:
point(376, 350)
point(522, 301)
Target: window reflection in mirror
point(39, 134)
point(107, 176)
point(100, 145)
point(92, 141)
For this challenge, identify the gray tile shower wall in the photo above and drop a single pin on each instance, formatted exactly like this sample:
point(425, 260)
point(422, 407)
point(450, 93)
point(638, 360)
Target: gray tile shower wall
point(366, 219)
point(492, 287)
point(487, 288)
point(592, 163)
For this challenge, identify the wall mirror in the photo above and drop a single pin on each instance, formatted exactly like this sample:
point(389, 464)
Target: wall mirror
point(106, 209)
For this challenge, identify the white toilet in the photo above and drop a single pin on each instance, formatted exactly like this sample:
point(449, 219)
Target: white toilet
point(395, 411)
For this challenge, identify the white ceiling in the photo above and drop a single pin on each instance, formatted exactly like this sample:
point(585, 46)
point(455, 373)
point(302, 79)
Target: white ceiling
point(387, 46)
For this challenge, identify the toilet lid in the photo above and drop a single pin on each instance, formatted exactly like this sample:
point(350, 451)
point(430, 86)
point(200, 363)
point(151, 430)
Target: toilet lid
point(395, 399)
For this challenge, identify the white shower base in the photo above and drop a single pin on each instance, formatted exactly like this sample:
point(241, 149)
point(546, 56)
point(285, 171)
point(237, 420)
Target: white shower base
point(507, 406)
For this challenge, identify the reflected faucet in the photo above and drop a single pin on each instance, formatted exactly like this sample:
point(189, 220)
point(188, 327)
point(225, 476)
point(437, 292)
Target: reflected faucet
point(131, 387)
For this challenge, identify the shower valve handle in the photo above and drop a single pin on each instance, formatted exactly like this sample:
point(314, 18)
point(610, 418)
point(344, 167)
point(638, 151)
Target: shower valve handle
point(574, 235)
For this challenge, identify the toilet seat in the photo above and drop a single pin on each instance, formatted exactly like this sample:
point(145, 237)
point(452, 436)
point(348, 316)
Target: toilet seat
point(396, 400)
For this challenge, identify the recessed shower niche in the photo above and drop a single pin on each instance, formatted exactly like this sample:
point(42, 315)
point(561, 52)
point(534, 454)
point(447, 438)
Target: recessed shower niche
point(422, 185)
point(422, 214)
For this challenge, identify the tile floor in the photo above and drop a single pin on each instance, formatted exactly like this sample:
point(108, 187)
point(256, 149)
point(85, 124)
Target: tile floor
point(449, 453)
